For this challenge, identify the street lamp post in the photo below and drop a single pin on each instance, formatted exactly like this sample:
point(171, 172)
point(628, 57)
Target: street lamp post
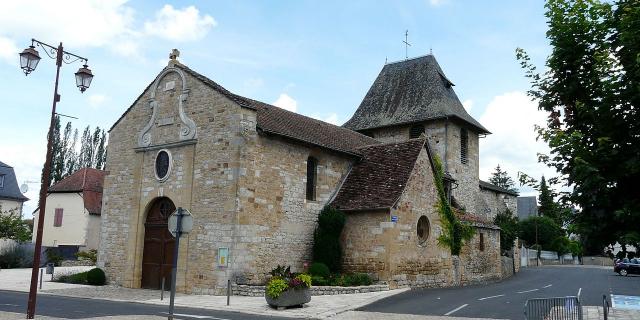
point(29, 59)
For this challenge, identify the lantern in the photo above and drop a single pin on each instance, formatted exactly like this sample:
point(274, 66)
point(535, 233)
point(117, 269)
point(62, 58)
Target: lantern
point(29, 59)
point(83, 78)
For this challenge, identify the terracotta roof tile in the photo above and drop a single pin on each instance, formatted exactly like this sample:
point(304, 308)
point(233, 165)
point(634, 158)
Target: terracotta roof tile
point(379, 178)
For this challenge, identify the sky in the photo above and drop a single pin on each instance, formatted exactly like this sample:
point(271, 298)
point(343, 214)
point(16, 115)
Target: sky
point(317, 58)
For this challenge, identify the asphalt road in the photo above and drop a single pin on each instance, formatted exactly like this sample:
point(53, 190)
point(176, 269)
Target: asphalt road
point(505, 300)
point(79, 308)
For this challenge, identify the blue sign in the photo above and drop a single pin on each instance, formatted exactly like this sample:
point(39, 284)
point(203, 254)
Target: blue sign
point(625, 302)
point(394, 218)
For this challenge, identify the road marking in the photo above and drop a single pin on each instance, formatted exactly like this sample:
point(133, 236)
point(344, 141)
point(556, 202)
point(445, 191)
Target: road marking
point(547, 286)
point(456, 309)
point(579, 291)
point(532, 290)
point(195, 316)
point(10, 305)
point(485, 298)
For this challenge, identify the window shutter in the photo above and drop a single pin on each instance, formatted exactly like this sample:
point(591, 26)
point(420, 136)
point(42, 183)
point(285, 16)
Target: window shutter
point(57, 218)
point(464, 146)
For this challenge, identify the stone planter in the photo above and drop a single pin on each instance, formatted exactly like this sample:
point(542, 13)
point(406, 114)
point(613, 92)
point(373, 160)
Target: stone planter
point(290, 298)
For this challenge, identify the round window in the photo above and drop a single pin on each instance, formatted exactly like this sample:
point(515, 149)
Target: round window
point(422, 229)
point(163, 165)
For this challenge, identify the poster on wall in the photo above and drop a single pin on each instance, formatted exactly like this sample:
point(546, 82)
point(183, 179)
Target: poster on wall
point(223, 257)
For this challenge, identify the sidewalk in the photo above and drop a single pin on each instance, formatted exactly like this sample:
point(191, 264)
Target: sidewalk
point(319, 307)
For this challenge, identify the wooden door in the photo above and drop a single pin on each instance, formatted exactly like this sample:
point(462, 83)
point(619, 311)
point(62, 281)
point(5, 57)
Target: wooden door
point(157, 258)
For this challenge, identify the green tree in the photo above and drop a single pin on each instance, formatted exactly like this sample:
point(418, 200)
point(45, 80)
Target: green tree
point(540, 230)
point(502, 179)
point(548, 206)
point(508, 224)
point(590, 90)
point(326, 245)
point(13, 227)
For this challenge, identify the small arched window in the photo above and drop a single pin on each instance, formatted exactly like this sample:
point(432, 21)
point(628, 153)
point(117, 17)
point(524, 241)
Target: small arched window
point(312, 175)
point(464, 146)
point(416, 131)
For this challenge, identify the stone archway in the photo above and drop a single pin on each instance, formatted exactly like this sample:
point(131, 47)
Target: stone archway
point(157, 257)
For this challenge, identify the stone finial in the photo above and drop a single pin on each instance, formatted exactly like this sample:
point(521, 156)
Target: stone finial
point(173, 57)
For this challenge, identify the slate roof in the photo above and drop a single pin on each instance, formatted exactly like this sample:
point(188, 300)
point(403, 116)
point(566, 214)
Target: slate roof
point(89, 181)
point(10, 189)
point(379, 178)
point(493, 187)
point(409, 91)
point(291, 125)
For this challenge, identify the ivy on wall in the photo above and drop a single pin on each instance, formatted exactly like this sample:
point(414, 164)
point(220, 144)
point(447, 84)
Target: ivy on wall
point(455, 233)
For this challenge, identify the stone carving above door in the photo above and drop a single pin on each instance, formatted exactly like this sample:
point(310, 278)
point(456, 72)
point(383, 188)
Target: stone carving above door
point(187, 126)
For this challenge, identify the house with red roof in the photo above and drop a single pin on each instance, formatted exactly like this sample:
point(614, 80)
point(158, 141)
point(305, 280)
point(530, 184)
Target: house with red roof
point(73, 210)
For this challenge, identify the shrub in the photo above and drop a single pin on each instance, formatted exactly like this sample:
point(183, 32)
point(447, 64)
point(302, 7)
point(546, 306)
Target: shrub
point(276, 286)
point(75, 278)
point(88, 255)
point(361, 279)
point(96, 277)
point(326, 246)
point(319, 281)
point(16, 257)
point(283, 279)
point(305, 279)
point(319, 269)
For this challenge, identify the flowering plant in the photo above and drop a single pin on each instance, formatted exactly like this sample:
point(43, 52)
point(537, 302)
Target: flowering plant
point(282, 279)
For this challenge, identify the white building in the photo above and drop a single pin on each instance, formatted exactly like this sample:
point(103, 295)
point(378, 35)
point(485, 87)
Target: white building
point(10, 196)
point(72, 216)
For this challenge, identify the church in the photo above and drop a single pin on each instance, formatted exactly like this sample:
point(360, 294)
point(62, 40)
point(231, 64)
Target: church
point(255, 177)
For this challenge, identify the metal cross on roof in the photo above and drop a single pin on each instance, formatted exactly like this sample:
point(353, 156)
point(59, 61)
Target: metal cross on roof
point(406, 45)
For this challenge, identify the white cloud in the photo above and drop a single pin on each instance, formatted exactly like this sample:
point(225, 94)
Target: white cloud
point(27, 159)
point(511, 118)
point(468, 104)
point(180, 25)
point(88, 23)
point(97, 100)
point(8, 50)
point(286, 102)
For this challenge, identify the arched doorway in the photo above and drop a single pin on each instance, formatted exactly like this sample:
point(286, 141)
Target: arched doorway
point(157, 258)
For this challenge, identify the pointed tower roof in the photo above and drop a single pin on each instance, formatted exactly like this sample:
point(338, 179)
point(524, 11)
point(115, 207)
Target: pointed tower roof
point(409, 91)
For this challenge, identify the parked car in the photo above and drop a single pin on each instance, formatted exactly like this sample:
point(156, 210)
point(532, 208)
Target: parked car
point(627, 266)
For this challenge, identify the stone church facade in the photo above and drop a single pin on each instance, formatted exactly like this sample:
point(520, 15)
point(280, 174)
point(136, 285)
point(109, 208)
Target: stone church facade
point(255, 177)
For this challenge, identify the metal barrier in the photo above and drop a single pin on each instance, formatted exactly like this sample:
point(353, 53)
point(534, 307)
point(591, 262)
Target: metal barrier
point(558, 308)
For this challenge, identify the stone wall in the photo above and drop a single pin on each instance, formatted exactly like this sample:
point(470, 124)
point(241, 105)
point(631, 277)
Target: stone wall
point(258, 291)
point(246, 191)
point(205, 163)
point(414, 261)
point(507, 267)
point(481, 264)
point(276, 220)
point(493, 203)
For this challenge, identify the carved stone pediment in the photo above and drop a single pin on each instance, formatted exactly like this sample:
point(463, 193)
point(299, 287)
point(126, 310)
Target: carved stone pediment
point(187, 127)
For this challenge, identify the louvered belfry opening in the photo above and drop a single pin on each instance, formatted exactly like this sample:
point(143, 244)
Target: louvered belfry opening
point(464, 146)
point(416, 131)
point(312, 168)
